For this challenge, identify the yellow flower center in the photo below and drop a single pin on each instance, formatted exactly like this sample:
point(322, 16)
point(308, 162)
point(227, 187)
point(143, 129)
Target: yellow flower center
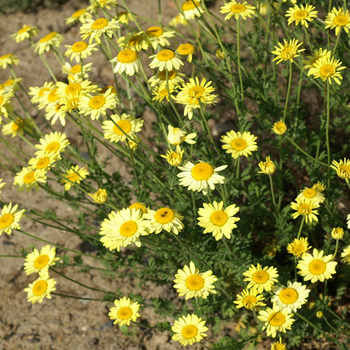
point(194, 282)
point(41, 261)
point(76, 69)
point(52, 97)
point(14, 126)
point(250, 302)
point(276, 319)
point(124, 313)
point(99, 23)
point(79, 46)
point(317, 267)
point(135, 40)
point(299, 249)
point(219, 218)
point(43, 163)
point(288, 296)
point(6, 220)
point(139, 206)
point(8, 82)
point(154, 32)
point(310, 193)
point(73, 89)
point(345, 170)
point(6, 56)
point(1, 100)
point(304, 209)
point(239, 144)
point(288, 52)
point(40, 288)
point(127, 56)
point(163, 93)
point(42, 91)
point(202, 171)
point(190, 5)
point(128, 229)
point(189, 331)
point(23, 30)
point(277, 346)
point(238, 8)
point(327, 70)
point(124, 125)
point(165, 55)
point(47, 37)
point(341, 21)
point(301, 14)
point(73, 177)
point(171, 75)
point(185, 49)
point(260, 277)
point(97, 102)
point(52, 147)
point(78, 13)
point(164, 215)
point(29, 177)
point(196, 91)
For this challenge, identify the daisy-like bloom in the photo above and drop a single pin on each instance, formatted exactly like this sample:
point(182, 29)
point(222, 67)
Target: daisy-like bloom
point(189, 329)
point(93, 29)
point(238, 9)
point(40, 289)
point(127, 61)
point(176, 136)
point(238, 144)
point(24, 33)
point(198, 177)
point(139, 206)
point(56, 112)
point(250, 299)
point(8, 59)
point(261, 278)
point(78, 16)
point(287, 51)
point(346, 255)
point(175, 21)
point(301, 14)
point(337, 233)
point(136, 42)
point(298, 247)
point(53, 142)
point(268, 167)
point(312, 193)
point(165, 59)
point(124, 17)
point(39, 262)
point(123, 228)
point(29, 178)
point(195, 93)
point(48, 41)
point(44, 161)
point(217, 219)
point(100, 196)
point(317, 54)
point(124, 311)
point(338, 19)
point(77, 71)
point(276, 320)
point(74, 175)
point(174, 158)
point(191, 9)
point(291, 297)
point(305, 207)
point(39, 92)
point(342, 168)
point(5, 104)
point(164, 219)
point(278, 345)
point(79, 50)
point(94, 106)
point(174, 79)
point(121, 127)
point(162, 92)
point(157, 36)
point(328, 69)
point(10, 218)
point(10, 85)
point(189, 282)
point(97, 4)
point(186, 50)
point(316, 267)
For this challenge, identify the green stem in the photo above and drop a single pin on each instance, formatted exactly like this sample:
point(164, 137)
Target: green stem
point(288, 90)
point(327, 140)
point(273, 192)
point(48, 68)
point(74, 297)
point(239, 62)
point(237, 167)
point(301, 227)
point(336, 248)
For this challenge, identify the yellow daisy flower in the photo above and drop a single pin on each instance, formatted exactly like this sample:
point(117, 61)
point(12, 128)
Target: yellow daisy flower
point(39, 262)
point(338, 19)
point(123, 228)
point(164, 219)
point(276, 320)
point(327, 69)
point(97, 4)
point(156, 36)
point(48, 41)
point(174, 158)
point(56, 111)
point(346, 255)
point(79, 50)
point(24, 33)
point(291, 297)
point(217, 219)
point(305, 207)
point(10, 85)
point(124, 17)
point(28, 178)
point(175, 21)
point(136, 42)
point(93, 29)
point(337, 233)
point(78, 16)
point(287, 51)
point(162, 92)
point(311, 60)
point(268, 167)
point(198, 177)
point(175, 79)
point(278, 345)
point(238, 9)
point(10, 218)
point(301, 14)
point(127, 61)
point(250, 299)
point(8, 59)
point(342, 168)
point(165, 59)
point(124, 311)
point(238, 144)
point(316, 267)
point(40, 289)
point(261, 278)
point(44, 161)
point(100, 196)
point(5, 104)
point(186, 50)
point(191, 9)
point(53, 142)
point(312, 193)
point(189, 282)
point(139, 206)
point(176, 136)
point(298, 247)
point(189, 329)
point(39, 92)
point(74, 175)
point(76, 72)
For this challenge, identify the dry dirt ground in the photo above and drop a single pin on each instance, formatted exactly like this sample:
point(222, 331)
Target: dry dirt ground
point(62, 323)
